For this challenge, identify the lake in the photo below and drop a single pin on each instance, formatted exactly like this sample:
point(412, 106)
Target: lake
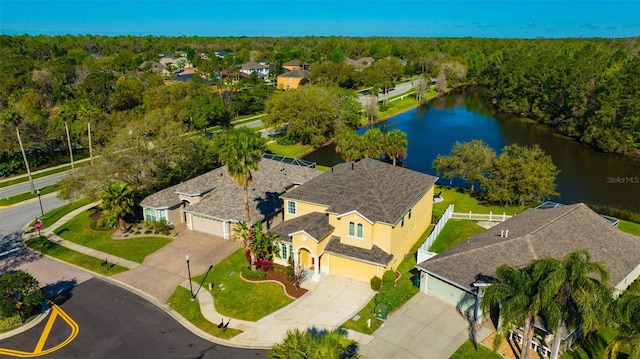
point(586, 175)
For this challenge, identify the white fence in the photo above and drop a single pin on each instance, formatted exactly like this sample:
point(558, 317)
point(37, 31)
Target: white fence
point(423, 251)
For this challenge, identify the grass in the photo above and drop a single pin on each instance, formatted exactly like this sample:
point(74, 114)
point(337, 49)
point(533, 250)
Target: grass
point(288, 150)
point(42, 174)
point(593, 347)
point(27, 195)
point(470, 351)
point(464, 202)
point(180, 301)
point(77, 230)
point(55, 214)
point(629, 227)
point(45, 246)
point(405, 286)
point(455, 232)
point(238, 299)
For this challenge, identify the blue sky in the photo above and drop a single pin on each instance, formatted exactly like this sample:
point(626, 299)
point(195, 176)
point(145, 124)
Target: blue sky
point(525, 19)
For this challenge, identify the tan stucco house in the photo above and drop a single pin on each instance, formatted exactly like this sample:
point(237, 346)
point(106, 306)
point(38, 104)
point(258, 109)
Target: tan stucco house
point(213, 202)
point(357, 220)
point(292, 79)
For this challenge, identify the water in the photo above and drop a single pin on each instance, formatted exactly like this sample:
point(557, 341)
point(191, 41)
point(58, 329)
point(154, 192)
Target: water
point(586, 175)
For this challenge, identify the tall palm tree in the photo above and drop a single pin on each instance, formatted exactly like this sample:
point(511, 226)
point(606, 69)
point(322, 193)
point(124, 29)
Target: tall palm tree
point(13, 118)
point(628, 319)
point(116, 204)
point(574, 292)
point(516, 291)
point(395, 143)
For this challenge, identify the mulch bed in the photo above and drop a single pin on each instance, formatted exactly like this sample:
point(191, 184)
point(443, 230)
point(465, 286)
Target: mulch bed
point(278, 274)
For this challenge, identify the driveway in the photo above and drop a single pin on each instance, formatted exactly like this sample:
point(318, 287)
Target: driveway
point(423, 328)
point(165, 269)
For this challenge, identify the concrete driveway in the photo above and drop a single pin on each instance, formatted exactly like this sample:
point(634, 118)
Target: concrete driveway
point(165, 269)
point(422, 328)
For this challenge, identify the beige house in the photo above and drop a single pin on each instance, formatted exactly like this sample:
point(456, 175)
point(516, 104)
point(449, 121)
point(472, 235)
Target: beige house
point(213, 202)
point(357, 220)
point(295, 65)
point(292, 79)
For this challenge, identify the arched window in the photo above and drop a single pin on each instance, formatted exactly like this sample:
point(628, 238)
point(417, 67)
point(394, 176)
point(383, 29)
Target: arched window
point(359, 233)
point(352, 231)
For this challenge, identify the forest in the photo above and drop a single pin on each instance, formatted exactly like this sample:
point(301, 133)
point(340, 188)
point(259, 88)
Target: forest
point(587, 89)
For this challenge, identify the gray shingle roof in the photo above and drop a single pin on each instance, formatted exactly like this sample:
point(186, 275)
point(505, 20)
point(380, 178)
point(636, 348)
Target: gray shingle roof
point(162, 199)
point(301, 74)
point(375, 255)
point(224, 199)
point(253, 66)
point(316, 224)
point(379, 191)
point(539, 233)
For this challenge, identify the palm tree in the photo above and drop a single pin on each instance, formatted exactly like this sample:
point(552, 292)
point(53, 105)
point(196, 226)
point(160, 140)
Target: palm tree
point(116, 204)
point(574, 292)
point(13, 118)
point(516, 291)
point(372, 143)
point(240, 231)
point(315, 344)
point(628, 319)
point(293, 346)
point(348, 144)
point(395, 143)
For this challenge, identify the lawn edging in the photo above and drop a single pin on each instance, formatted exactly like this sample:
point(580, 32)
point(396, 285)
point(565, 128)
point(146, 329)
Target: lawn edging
point(284, 288)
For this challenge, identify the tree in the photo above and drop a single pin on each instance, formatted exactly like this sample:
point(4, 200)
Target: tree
point(315, 344)
point(446, 167)
point(395, 145)
point(263, 244)
point(441, 81)
point(515, 289)
point(574, 292)
point(19, 291)
point(469, 161)
point(520, 175)
point(627, 318)
point(116, 204)
point(348, 144)
point(421, 86)
point(372, 143)
point(13, 118)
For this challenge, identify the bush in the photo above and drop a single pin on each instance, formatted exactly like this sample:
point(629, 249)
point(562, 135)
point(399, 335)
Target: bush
point(383, 107)
point(253, 274)
point(264, 265)
point(388, 278)
point(287, 140)
point(376, 283)
point(393, 297)
point(161, 226)
point(290, 271)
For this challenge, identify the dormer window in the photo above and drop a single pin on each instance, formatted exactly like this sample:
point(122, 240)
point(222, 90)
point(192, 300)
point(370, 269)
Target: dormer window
point(291, 207)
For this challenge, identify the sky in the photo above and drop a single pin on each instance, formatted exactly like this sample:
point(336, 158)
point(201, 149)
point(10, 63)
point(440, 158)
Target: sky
point(418, 18)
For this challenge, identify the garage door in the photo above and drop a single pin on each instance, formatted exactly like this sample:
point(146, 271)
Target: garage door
point(207, 225)
point(351, 269)
point(450, 294)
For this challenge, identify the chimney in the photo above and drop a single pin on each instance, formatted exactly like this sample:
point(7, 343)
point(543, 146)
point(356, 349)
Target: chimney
point(331, 169)
point(352, 165)
point(506, 233)
point(502, 233)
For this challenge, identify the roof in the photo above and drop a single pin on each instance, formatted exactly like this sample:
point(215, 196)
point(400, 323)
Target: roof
point(162, 199)
point(302, 74)
point(377, 190)
point(224, 199)
point(316, 224)
point(535, 234)
point(375, 255)
point(253, 66)
point(292, 63)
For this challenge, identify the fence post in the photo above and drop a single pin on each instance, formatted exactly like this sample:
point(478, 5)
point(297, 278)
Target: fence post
point(469, 214)
point(490, 216)
point(504, 216)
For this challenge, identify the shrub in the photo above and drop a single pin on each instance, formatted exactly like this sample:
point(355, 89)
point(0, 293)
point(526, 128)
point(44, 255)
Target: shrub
point(253, 274)
point(264, 265)
point(393, 297)
point(383, 107)
point(376, 283)
point(159, 227)
point(287, 140)
point(388, 278)
point(290, 271)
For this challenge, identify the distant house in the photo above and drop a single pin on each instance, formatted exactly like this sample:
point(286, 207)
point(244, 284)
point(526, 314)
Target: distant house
point(295, 65)
point(221, 53)
point(211, 203)
point(154, 66)
point(457, 275)
point(168, 60)
point(251, 67)
point(357, 220)
point(292, 79)
point(361, 63)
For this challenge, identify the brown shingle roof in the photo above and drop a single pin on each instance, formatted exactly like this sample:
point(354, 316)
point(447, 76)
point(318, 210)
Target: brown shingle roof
point(292, 63)
point(539, 233)
point(316, 224)
point(224, 199)
point(375, 255)
point(377, 190)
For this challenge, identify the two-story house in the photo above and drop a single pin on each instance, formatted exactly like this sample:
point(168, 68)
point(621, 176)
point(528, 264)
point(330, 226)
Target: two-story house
point(251, 67)
point(357, 220)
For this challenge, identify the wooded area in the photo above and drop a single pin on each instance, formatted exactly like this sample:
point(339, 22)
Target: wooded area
point(588, 89)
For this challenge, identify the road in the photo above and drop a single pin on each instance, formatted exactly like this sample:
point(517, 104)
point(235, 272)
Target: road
point(114, 323)
point(26, 186)
point(400, 88)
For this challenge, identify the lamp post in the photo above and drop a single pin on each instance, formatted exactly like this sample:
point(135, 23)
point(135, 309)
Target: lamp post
point(189, 273)
point(39, 200)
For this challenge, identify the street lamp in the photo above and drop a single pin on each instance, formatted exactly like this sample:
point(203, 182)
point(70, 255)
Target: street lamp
point(39, 200)
point(189, 273)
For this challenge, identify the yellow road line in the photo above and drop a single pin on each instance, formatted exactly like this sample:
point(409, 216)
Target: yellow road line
point(55, 312)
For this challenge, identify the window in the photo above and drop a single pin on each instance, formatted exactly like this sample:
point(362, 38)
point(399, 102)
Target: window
point(402, 223)
point(150, 214)
point(409, 213)
point(291, 207)
point(359, 233)
point(162, 214)
point(291, 251)
point(351, 229)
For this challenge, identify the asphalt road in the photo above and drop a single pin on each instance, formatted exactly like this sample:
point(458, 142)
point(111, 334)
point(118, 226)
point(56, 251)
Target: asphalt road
point(114, 323)
point(400, 88)
point(26, 186)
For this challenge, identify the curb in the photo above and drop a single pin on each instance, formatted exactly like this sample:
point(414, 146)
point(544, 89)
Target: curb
point(23, 328)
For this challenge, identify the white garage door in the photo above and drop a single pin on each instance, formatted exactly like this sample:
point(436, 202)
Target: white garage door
point(207, 225)
point(450, 294)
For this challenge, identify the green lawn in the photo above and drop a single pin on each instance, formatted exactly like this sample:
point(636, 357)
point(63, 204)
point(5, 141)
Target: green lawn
point(45, 246)
point(77, 230)
point(629, 227)
point(464, 202)
point(28, 195)
point(238, 299)
point(470, 351)
point(289, 151)
point(454, 232)
point(55, 214)
point(180, 301)
point(594, 347)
